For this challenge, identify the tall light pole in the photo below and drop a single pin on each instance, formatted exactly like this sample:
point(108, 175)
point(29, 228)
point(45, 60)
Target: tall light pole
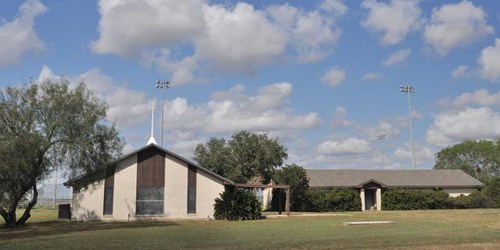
point(162, 85)
point(410, 90)
point(382, 138)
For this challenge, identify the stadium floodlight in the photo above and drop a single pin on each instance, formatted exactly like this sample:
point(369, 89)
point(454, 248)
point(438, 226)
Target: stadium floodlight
point(162, 85)
point(410, 90)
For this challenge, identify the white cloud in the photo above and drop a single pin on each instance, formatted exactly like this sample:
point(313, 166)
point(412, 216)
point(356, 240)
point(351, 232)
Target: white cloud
point(422, 154)
point(128, 27)
point(18, 38)
point(228, 38)
point(232, 110)
point(470, 123)
point(335, 7)
point(182, 72)
point(479, 98)
point(397, 57)
point(334, 77)
point(128, 107)
point(456, 25)
point(371, 76)
point(394, 19)
point(462, 71)
point(239, 40)
point(46, 74)
point(489, 62)
point(350, 145)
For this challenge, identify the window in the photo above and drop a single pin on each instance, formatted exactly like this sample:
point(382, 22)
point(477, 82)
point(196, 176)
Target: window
point(108, 200)
point(109, 184)
point(149, 200)
point(191, 206)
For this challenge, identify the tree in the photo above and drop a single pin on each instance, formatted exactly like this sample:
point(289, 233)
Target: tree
point(47, 126)
point(480, 159)
point(245, 156)
point(296, 177)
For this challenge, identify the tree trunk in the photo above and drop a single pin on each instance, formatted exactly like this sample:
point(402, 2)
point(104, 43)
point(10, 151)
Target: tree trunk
point(10, 218)
point(26, 215)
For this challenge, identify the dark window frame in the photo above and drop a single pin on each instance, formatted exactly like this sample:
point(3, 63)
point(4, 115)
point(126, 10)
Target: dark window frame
point(191, 190)
point(109, 184)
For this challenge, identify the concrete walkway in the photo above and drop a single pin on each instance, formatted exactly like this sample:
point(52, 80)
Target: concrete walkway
point(274, 216)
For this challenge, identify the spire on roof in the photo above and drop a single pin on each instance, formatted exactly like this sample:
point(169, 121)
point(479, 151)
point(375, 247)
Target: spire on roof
point(152, 138)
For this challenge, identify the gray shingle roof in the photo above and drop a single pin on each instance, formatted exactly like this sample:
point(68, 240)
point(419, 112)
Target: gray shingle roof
point(392, 178)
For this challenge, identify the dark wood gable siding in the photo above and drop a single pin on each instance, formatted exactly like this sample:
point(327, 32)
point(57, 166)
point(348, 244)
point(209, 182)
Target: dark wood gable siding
point(151, 168)
point(191, 206)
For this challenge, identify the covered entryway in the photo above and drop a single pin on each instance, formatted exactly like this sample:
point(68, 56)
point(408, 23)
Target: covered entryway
point(371, 196)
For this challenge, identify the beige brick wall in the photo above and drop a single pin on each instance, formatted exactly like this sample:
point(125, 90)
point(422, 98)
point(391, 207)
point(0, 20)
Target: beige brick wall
point(88, 202)
point(207, 189)
point(175, 188)
point(124, 195)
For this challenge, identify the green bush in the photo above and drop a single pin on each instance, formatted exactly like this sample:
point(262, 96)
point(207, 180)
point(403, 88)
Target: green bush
point(410, 199)
point(237, 204)
point(475, 200)
point(339, 199)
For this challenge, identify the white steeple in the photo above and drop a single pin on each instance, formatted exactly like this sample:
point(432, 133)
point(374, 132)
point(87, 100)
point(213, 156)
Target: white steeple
point(152, 138)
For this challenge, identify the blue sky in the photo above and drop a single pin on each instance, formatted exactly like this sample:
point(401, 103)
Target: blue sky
point(323, 76)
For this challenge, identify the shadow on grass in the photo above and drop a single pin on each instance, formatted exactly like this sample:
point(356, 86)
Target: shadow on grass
point(64, 227)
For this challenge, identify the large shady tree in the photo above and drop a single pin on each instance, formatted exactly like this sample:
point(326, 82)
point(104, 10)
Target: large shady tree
point(478, 158)
point(45, 126)
point(245, 156)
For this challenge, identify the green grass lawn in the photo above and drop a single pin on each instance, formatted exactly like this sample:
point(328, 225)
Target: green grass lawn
point(436, 229)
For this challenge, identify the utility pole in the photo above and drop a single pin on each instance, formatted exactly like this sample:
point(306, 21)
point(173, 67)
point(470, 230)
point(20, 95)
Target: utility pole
point(410, 90)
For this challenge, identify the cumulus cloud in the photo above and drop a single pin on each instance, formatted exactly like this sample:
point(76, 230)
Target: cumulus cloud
point(334, 77)
point(181, 71)
point(422, 154)
point(335, 7)
point(489, 62)
point(470, 123)
point(462, 71)
point(240, 39)
point(397, 57)
point(311, 34)
point(126, 106)
point(128, 27)
point(232, 110)
point(18, 38)
point(394, 19)
point(371, 76)
point(481, 98)
point(350, 145)
point(455, 25)
point(228, 38)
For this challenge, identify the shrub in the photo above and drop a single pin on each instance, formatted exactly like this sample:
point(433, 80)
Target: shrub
point(408, 199)
point(474, 200)
point(339, 199)
point(344, 199)
point(237, 204)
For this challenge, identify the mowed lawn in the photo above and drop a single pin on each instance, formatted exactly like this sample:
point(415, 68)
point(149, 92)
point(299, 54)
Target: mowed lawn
point(431, 229)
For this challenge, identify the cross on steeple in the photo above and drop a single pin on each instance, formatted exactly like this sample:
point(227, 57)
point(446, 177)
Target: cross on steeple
point(152, 138)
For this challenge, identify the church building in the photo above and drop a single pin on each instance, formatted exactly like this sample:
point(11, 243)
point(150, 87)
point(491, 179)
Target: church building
point(149, 183)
